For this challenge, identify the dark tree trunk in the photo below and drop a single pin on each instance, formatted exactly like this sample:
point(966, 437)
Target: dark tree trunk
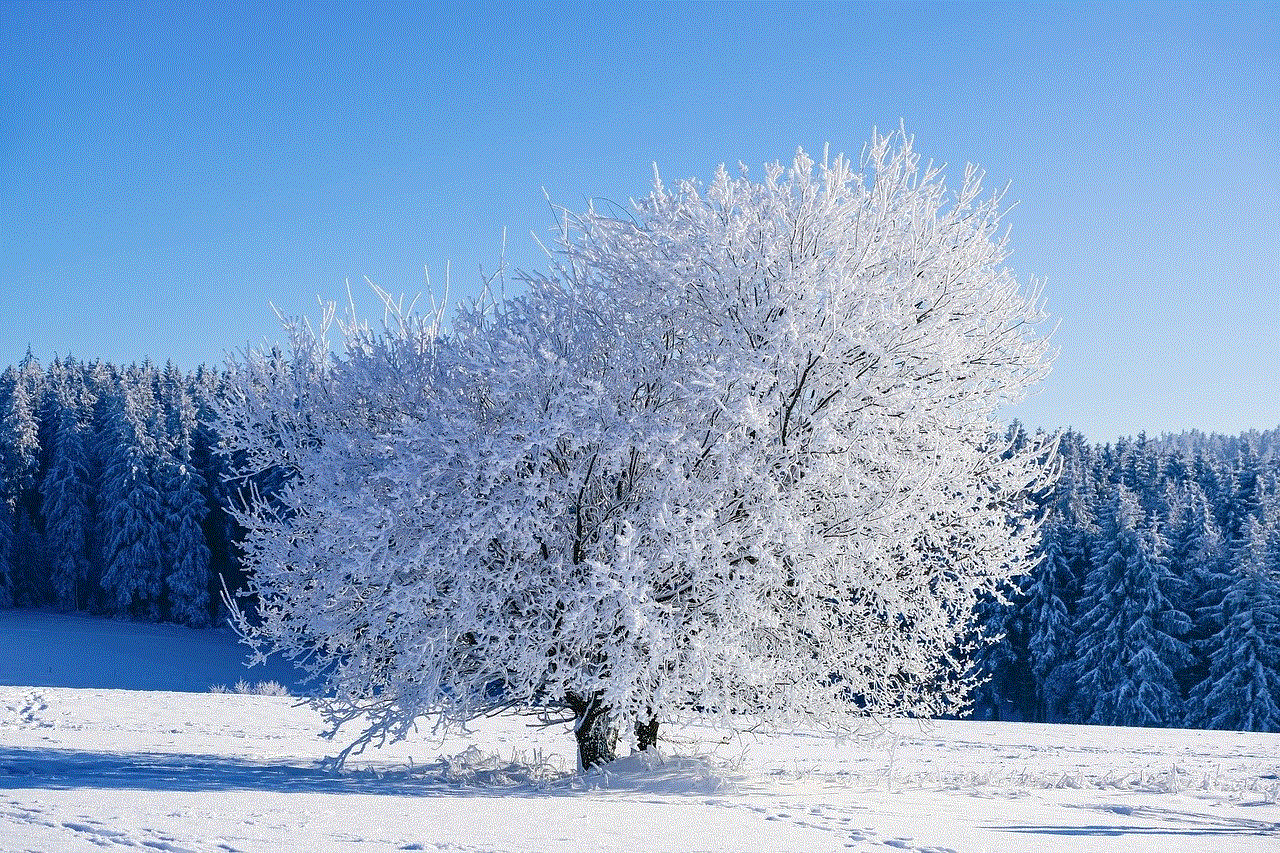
point(647, 734)
point(594, 729)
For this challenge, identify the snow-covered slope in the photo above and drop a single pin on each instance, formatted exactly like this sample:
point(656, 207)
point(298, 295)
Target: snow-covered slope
point(75, 650)
point(88, 769)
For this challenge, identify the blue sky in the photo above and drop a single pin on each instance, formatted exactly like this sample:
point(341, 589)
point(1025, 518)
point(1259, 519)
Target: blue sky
point(166, 171)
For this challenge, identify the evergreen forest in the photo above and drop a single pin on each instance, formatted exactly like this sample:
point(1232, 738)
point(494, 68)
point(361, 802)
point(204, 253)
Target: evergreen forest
point(1156, 601)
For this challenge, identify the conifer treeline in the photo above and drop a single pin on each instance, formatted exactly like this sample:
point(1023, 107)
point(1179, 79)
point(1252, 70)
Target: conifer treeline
point(1157, 601)
point(111, 491)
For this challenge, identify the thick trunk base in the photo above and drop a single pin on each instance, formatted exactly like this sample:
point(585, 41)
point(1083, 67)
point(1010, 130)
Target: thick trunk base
point(646, 734)
point(595, 731)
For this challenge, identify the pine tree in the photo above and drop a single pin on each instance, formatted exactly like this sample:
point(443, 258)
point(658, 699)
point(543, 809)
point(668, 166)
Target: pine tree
point(185, 552)
point(1131, 639)
point(67, 506)
point(29, 555)
point(6, 547)
point(132, 515)
point(19, 436)
point(1190, 486)
point(1210, 479)
point(1051, 593)
point(1140, 472)
point(221, 531)
point(1198, 556)
point(1242, 688)
point(19, 467)
point(1243, 500)
point(178, 411)
point(1004, 690)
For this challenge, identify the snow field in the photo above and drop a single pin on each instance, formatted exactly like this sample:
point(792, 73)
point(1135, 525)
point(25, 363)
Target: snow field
point(88, 770)
point(78, 650)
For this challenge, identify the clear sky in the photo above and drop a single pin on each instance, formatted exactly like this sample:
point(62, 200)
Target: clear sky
point(168, 171)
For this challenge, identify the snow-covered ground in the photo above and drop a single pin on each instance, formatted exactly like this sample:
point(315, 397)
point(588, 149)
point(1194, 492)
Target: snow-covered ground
point(86, 769)
point(74, 650)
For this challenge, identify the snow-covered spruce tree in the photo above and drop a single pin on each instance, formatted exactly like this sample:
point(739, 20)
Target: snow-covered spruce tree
point(66, 495)
point(1130, 637)
point(1005, 684)
point(1242, 500)
point(1242, 688)
point(182, 538)
point(131, 512)
point(182, 542)
point(1198, 555)
point(733, 454)
point(220, 530)
point(1053, 588)
point(19, 468)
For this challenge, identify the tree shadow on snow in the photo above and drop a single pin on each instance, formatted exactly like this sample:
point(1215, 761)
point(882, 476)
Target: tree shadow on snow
point(1178, 823)
point(472, 773)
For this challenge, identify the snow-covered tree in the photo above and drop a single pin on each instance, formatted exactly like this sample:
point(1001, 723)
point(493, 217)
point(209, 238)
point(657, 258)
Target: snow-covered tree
point(185, 552)
point(131, 515)
point(1243, 500)
point(1131, 639)
point(1242, 688)
point(66, 493)
point(178, 414)
point(734, 454)
point(19, 468)
point(1005, 685)
point(183, 546)
point(1199, 557)
point(1052, 590)
point(221, 532)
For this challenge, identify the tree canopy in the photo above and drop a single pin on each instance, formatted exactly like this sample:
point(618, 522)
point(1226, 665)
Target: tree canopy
point(733, 453)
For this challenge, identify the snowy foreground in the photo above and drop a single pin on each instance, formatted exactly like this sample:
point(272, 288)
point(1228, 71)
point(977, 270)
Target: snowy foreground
point(86, 769)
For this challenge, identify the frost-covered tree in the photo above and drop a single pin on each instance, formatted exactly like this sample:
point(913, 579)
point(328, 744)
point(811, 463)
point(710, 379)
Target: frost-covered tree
point(185, 552)
point(1004, 688)
point(131, 514)
point(19, 469)
point(66, 494)
point(1199, 557)
point(1131, 639)
point(1052, 590)
point(1242, 688)
point(734, 454)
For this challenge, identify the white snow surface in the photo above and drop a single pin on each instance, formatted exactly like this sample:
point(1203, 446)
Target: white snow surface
point(92, 769)
point(46, 649)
